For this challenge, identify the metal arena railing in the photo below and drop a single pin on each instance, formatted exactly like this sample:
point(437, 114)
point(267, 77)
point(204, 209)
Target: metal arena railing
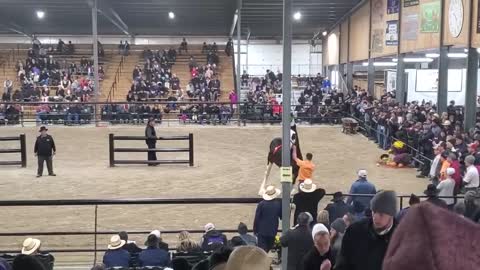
point(110, 202)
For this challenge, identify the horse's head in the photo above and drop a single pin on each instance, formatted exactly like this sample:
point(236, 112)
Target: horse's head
point(293, 137)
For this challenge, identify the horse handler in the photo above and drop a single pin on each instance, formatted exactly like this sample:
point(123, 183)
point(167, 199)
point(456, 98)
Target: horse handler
point(306, 166)
point(44, 150)
point(151, 140)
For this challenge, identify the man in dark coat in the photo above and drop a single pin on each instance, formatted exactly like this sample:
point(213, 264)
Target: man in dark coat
point(151, 140)
point(44, 150)
point(213, 239)
point(153, 255)
point(129, 246)
point(337, 208)
point(320, 256)
point(432, 194)
point(307, 200)
point(299, 242)
point(267, 215)
point(365, 242)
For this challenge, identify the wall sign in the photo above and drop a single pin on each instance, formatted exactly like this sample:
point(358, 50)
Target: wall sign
point(455, 17)
point(409, 3)
point(410, 27)
point(431, 14)
point(391, 34)
point(393, 6)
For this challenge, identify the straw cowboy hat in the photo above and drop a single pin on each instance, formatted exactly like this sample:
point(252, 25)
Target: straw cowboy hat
point(308, 186)
point(116, 242)
point(271, 193)
point(248, 258)
point(30, 245)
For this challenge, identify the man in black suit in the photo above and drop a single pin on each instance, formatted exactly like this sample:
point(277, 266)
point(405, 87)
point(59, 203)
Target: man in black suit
point(151, 140)
point(44, 150)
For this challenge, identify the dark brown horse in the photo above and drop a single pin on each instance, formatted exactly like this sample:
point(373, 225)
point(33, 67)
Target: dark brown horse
point(275, 156)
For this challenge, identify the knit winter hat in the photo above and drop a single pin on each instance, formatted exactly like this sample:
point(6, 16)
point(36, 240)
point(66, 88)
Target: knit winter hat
point(450, 171)
point(384, 202)
point(339, 225)
point(319, 228)
point(444, 242)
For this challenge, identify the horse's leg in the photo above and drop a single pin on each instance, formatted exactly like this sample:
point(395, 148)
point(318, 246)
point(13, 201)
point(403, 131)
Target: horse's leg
point(265, 178)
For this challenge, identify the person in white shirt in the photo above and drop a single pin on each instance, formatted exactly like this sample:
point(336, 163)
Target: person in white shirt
point(446, 188)
point(471, 178)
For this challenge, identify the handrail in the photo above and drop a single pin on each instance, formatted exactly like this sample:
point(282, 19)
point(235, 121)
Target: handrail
point(116, 79)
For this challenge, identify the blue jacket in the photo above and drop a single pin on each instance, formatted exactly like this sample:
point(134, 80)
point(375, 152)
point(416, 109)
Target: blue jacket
point(267, 217)
point(362, 186)
point(154, 257)
point(116, 258)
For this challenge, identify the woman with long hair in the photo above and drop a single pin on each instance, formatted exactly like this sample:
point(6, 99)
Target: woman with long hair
point(186, 243)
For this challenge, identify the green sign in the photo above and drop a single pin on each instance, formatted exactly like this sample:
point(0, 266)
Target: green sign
point(430, 17)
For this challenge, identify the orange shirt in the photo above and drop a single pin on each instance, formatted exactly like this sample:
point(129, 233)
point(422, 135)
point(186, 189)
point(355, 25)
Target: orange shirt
point(306, 169)
point(443, 170)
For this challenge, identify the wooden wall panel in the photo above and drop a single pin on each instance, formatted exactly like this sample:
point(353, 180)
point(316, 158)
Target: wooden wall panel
point(344, 42)
point(423, 40)
point(380, 17)
point(462, 39)
point(333, 47)
point(475, 35)
point(359, 37)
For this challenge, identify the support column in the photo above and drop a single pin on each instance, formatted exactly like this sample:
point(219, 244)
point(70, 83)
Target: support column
point(400, 87)
point(95, 58)
point(286, 90)
point(471, 93)
point(350, 76)
point(371, 77)
point(239, 54)
point(442, 94)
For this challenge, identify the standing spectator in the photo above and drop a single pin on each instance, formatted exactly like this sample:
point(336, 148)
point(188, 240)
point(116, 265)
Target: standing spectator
point(447, 188)
point(361, 186)
point(432, 194)
point(153, 255)
point(298, 240)
point(245, 78)
point(115, 255)
point(229, 47)
point(44, 150)
point(129, 246)
point(233, 100)
point(338, 207)
point(471, 178)
point(212, 239)
point(247, 258)
point(8, 87)
point(365, 242)
point(323, 218)
point(320, 256)
point(411, 202)
point(247, 238)
point(183, 46)
point(337, 230)
point(151, 140)
point(306, 166)
point(267, 215)
point(472, 210)
point(307, 199)
point(187, 244)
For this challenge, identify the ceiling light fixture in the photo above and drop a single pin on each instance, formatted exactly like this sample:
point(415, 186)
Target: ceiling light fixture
point(297, 16)
point(457, 55)
point(40, 14)
point(417, 60)
point(380, 64)
point(171, 15)
point(324, 33)
point(432, 55)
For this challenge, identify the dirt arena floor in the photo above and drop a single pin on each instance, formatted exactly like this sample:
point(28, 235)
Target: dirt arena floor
point(229, 162)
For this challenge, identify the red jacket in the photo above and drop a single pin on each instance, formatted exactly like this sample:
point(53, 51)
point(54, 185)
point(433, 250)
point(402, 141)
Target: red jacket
point(457, 176)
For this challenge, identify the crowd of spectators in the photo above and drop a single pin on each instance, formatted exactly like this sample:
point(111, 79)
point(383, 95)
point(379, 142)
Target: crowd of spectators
point(204, 84)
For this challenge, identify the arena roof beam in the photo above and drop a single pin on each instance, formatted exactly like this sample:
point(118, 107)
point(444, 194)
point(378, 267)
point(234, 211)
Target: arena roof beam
point(234, 23)
point(15, 28)
point(108, 12)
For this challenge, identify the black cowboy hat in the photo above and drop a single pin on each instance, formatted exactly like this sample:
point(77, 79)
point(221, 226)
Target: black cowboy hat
point(337, 196)
point(43, 128)
point(431, 190)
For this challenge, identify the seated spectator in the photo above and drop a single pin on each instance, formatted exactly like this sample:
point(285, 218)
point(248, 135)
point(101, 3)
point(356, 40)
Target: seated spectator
point(70, 48)
point(161, 244)
point(115, 255)
point(248, 258)
point(129, 246)
point(31, 246)
point(4, 265)
point(153, 255)
point(204, 47)
point(216, 261)
point(60, 46)
point(25, 262)
point(338, 207)
point(320, 256)
point(186, 243)
point(246, 237)
point(298, 240)
point(212, 239)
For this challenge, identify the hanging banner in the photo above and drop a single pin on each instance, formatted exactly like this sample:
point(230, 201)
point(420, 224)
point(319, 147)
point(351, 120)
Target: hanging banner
point(393, 6)
point(409, 3)
point(378, 11)
point(391, 34)
point(431, 14)
point(391, 80)
point(377, 40)
point(410, 27)
point(478, 18)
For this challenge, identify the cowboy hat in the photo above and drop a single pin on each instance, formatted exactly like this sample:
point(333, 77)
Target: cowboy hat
point(271, 193)
point(116, 242)
point(43, 128)
point(337, 196)
point(30, 245)
point(431, 190)
point(307, 186)
point(248, 258)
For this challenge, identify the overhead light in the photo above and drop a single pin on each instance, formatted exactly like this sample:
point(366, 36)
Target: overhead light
point(380, 64)
point(365, 64)
point(297, 16)
point(432, 55)
point(478, 50)
point(324, 33)
point(457, 55)
point(465, 50)
point(171, 15)
point(417, 60)
point(40, 14)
